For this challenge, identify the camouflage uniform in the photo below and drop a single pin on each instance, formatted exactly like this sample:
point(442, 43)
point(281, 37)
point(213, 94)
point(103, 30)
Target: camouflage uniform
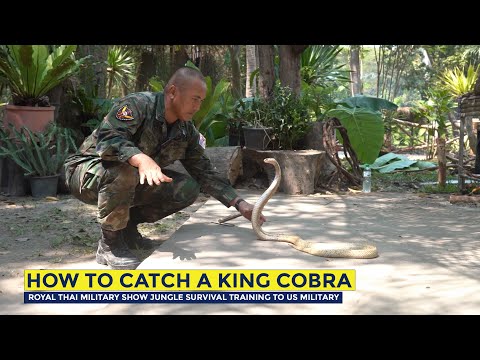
point(100, 174)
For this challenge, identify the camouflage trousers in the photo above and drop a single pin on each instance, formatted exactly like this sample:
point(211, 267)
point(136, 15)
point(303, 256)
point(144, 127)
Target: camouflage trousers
point(115, 188)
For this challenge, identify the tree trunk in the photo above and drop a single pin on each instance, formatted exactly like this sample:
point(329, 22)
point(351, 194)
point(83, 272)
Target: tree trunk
point(180, 57)
point(290, 62)
point(250, 91)
point(356, 86)
point(267, 70)
point(472, 137)
point(124, 87)
point(442, 162)
point(234, 51)
point(172, 60)
point(94, 77)
point(146, 70)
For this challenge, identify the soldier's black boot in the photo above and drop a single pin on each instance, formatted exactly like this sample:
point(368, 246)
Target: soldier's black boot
point(113, 251)
point(134, 239)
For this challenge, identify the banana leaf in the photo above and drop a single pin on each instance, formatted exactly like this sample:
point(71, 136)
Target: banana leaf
point(400, 164)
point(384, 159)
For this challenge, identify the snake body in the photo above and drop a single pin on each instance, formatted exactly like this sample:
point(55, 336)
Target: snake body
point(348, 250)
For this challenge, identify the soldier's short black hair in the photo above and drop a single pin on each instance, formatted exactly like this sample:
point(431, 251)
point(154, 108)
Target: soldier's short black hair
point(183, 76)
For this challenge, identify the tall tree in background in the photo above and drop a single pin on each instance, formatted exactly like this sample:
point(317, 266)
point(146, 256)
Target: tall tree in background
point(391, 61)
point(94, 77)
point(289, 68)
point(251, 57)
point(234, 51)
point(266, 54)
point(146, 68)
point(356, 85)
point(178, 57)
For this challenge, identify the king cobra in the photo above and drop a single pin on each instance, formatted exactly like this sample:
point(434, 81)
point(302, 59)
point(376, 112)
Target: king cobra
point(348, 250)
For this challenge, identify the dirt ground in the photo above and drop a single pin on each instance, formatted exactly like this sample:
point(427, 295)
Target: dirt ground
point(42, 233)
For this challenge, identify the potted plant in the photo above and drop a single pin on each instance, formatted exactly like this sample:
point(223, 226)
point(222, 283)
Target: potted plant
point(31, 71)
point(249, 117)
point(40, 154)
point(289, 117)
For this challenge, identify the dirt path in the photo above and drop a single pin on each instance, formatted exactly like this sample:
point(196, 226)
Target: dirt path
point(40, 233)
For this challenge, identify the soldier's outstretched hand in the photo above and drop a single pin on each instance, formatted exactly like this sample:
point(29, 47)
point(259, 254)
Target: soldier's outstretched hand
point(148, 169)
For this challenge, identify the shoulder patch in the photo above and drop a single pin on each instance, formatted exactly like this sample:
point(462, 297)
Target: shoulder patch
point(124, 113)
point(202, 141)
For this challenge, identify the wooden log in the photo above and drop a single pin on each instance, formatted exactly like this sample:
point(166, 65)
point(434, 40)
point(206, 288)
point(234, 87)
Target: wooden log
point(227, 160)
point(464, 199)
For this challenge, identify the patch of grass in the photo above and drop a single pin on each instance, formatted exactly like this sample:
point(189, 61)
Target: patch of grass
point(83, 240)
point(435, 189)
point(405, 176)
point(17, 230)
point(411, 181)
point(181, 215)
point(56, 260)
point(162, 227)
point(57, 241)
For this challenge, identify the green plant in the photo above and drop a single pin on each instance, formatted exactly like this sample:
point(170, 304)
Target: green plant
point(289, 118)
point(362, 117)
point(38, 154)
point(91, 108)
point(212, 118)
point(318, 100)
point(457, 82)
point(249, 111)
point(120, 67)
point(318, 66)
point(32, 70)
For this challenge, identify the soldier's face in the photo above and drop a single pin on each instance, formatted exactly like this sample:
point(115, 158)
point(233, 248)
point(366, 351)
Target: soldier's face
point(188, 101)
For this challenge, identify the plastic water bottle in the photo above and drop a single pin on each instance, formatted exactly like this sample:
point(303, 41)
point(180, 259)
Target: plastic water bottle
point(367, 179)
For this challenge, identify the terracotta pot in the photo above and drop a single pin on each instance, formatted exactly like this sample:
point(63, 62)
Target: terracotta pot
point(32, 117)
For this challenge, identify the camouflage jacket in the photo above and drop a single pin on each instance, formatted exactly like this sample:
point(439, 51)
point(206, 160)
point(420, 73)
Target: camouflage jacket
point(136, 124)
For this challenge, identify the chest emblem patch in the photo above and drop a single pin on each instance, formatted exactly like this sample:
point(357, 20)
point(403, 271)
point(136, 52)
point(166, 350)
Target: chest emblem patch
point(124, 113)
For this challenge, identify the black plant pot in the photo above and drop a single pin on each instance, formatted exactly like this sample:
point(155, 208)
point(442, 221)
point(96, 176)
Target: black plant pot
point(42, 186)
point(257, 138)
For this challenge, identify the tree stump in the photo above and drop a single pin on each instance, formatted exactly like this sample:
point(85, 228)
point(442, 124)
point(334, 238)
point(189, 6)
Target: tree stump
point(300, 168)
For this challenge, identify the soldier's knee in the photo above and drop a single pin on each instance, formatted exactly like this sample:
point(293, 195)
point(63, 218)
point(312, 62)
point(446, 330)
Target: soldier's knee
point(122, 177)
point(188, 191)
